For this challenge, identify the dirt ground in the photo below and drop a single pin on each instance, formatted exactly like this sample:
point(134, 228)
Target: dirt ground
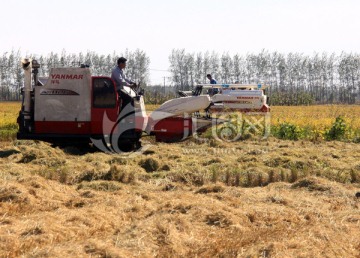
point(246, 199)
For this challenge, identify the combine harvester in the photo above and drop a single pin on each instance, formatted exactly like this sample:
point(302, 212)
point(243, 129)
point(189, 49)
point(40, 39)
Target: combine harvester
point(71, 106)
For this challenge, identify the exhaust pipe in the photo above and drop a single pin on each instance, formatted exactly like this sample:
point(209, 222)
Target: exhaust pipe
point(30, 67)
point(27, 66)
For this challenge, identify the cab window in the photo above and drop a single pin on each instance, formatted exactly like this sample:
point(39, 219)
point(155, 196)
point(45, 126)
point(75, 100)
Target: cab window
point(104, 95)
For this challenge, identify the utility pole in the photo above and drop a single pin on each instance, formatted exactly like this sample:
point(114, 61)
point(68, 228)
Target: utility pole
point(164, 86)
point(2, 90)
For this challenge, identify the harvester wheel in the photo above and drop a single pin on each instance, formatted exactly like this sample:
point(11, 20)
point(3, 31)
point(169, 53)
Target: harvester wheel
point(129, 145)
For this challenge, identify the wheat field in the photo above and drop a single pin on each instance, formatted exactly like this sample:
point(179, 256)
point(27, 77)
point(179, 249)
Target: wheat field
point(250, 198)
point(312, 119)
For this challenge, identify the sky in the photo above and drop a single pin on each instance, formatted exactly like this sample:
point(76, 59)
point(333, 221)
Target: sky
point(158, 26)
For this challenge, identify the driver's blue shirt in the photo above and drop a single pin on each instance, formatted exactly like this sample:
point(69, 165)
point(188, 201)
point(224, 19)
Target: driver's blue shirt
point(213, 91)
point(119, 78)
point(213, 81)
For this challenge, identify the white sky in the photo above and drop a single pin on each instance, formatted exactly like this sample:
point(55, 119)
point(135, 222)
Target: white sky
point(158, 26)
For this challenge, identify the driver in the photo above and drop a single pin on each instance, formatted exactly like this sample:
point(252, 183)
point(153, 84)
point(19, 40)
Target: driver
point(119, 77)
point(120, 80)
point(212, 91)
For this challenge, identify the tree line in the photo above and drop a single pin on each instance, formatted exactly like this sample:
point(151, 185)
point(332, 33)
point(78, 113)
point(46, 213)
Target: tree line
point(12, 77)
point(294, 78)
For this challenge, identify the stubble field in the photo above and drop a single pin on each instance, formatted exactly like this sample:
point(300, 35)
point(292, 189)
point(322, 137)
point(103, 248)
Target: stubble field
point(250, 198)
